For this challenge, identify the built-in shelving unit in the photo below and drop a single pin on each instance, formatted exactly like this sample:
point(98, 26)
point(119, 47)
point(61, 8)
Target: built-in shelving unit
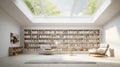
point(76, 40)
point(15, 51)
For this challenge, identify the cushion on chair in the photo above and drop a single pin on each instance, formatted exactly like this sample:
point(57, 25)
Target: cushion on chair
point(101, 50)
point(92, 50)
point(46, 46)
point(103, 45)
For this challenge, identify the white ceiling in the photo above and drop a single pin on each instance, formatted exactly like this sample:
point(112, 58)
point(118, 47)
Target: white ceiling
point(10, 8)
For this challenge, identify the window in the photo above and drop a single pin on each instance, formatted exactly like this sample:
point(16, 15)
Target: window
point(63, 7)
point(62, 11)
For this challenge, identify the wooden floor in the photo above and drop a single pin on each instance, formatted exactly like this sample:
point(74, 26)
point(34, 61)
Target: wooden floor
point(19, 60)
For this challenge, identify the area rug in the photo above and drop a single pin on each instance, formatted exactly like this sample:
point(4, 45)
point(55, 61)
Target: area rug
point(58, 62)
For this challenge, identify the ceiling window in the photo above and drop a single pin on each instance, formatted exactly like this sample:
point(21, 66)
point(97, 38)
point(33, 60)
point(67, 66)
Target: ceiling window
point(63, 7)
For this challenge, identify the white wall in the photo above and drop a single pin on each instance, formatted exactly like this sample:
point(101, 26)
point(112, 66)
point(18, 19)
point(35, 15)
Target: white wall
point(111, 34)
point(7, 26)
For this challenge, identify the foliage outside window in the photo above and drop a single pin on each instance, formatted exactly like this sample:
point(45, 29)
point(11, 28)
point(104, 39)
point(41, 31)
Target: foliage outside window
point(49, 8)
point(34, 6)
point(92, 6)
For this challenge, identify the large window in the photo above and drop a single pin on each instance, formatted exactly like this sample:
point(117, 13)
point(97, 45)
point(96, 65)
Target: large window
point(63, 7)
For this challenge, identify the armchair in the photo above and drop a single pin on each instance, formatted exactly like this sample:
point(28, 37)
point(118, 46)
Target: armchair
point(46, 49)
point(101, 51)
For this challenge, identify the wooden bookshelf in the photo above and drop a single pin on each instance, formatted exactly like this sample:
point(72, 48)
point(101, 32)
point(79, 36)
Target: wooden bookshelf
point(15, 51)
point(77, 40)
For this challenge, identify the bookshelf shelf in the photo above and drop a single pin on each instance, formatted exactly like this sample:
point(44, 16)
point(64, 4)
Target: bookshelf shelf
point(78, 39)
point(15, 51)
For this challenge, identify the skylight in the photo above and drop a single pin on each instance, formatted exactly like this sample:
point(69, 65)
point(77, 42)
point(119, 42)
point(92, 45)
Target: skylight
point(63, 7)
point(62, 11)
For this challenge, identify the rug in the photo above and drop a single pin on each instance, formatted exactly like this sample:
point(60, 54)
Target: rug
point(58, 62)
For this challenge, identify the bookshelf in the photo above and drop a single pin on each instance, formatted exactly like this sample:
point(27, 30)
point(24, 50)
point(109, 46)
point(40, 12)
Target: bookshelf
point(15, 51)
point(77, 40)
